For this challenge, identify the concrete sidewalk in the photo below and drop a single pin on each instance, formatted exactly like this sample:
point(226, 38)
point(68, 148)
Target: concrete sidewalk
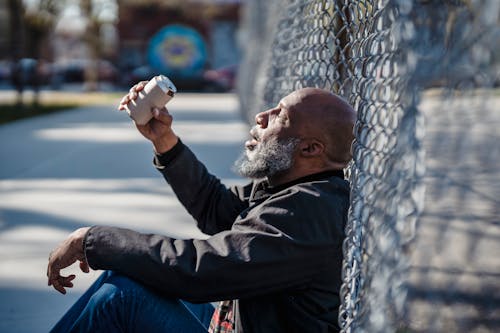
point(90, 166)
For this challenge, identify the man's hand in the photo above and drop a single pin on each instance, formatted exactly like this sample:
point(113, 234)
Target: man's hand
point(65, 255)
point(159, 129)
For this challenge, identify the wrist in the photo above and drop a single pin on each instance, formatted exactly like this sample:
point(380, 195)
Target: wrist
point(164, 144)
point(77, 238)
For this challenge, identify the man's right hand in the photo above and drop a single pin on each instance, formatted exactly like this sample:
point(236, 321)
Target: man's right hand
point(159, 129)
point(65, 255)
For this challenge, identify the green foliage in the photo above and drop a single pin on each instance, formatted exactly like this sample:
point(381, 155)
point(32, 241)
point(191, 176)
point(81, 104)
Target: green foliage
point(12, 112)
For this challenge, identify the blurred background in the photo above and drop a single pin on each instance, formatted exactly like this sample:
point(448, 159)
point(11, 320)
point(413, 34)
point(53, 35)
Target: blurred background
point(111, 44)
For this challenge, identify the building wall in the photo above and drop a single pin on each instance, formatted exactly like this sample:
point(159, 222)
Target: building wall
point(217, 24)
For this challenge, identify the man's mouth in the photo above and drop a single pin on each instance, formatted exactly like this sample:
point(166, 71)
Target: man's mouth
point(253, 142)
point(250, 144)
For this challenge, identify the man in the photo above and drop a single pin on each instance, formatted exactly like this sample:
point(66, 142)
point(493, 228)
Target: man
point(273, 258)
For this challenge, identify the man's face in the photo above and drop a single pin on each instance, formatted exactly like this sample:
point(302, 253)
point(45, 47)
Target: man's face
point(271, 149)
point(276, 122)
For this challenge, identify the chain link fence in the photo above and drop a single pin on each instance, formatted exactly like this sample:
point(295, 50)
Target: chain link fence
point(422, 241)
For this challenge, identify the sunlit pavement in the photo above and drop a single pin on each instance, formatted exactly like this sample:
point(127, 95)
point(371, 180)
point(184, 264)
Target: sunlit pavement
point(89, 166)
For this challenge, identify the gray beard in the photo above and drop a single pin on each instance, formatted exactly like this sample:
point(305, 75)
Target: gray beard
point(267, 158)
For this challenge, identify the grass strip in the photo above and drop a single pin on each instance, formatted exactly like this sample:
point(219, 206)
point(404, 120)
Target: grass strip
point(12, 112)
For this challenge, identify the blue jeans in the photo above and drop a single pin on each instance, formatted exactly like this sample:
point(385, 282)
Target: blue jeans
point(115, 303)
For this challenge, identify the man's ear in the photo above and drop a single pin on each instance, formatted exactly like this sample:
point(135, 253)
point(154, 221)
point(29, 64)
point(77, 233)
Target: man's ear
point(311, 147)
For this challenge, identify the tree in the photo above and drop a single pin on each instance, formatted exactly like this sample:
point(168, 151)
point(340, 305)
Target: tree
point(93, 11)
point(16, 43)
point(91, 37)
point(30, 27)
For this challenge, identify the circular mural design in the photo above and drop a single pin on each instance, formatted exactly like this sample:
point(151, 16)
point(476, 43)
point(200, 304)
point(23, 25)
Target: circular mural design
point(177, 50)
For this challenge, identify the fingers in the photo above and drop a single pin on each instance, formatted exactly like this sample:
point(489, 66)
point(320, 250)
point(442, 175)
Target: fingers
point(59, 282)
point(52, 271)
point(139, 86)
point(124, 101)
point(53, 275)
point(132, 94)
point(162, 115)
point(63, 282)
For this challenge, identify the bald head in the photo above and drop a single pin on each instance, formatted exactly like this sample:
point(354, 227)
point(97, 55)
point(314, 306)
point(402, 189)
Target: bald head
point(319, 114)
point(309, 131)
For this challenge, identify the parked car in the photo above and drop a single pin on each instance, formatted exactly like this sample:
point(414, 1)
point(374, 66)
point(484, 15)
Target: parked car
point(5, 70)
point(29, 72)
point(74, 70)
point(141, 73)
point(213, 80)
point(222, 79)
point(145, 73)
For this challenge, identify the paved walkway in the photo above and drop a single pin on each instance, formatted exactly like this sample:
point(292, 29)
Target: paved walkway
point(90, 166)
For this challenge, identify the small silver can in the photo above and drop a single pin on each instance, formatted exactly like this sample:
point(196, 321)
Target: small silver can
point(156, 94)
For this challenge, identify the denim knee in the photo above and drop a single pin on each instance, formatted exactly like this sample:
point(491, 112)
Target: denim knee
point(113, 307)
point(115, 287)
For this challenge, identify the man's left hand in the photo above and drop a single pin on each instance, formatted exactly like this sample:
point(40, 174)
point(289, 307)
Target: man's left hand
point(68, 252)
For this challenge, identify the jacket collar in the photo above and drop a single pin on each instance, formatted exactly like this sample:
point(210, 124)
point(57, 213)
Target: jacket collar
point(263, 190)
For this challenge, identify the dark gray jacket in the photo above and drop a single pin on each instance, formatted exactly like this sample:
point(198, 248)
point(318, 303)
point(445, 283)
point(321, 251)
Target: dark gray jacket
point(277, 250)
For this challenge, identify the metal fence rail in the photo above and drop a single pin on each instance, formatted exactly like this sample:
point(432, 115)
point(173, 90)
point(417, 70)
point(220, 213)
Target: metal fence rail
point(383, 56)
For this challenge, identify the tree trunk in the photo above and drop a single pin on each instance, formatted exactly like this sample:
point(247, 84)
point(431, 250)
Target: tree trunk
point(92, 39)
point(16, 46)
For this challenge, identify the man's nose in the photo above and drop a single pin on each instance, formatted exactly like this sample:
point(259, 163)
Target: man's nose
point(261, 119)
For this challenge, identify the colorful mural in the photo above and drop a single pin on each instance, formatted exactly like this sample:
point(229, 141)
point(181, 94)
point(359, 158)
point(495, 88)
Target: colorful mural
point(177, 50)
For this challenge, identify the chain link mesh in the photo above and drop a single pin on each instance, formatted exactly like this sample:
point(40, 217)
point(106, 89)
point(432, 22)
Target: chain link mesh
point(454, 272)
point(383, 56)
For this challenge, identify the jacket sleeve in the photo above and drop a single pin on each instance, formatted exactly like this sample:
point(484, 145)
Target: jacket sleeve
point(262, 253)
point(213, 206)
